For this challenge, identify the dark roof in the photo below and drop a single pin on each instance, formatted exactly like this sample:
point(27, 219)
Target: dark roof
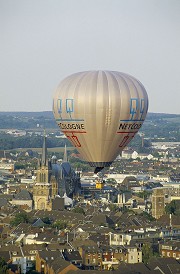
point(28, 250)
point(72, 256)
point(58, 203)
point(38, 223)
point(6, 196)
point(138, 268)
point(102, 219)
point(47, 237)
point(99, 238)
point(5, 255)
point(165, 219)
point(3, 202)
point(163, 264)
point(23, 195)
point(175, 269)
point(89, 227)
point(83, 243)
point(50, 255)
point(13, 249)
point(91, 249)
point(59, 264)
point(58, 215)
point(21, 228)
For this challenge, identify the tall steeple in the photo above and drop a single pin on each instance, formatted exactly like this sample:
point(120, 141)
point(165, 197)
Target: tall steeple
point(65, 154)
point(44, 153)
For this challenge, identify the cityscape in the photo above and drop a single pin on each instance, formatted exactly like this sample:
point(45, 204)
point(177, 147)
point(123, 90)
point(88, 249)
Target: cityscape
point(57, 216)
point(90, 137)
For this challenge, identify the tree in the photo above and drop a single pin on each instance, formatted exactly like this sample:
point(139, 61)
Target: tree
point(113, 207)
point(171, 208)
point(143, 194)
point(60, 224)
point(147, 253)
point(148, 216)
point(20, 218)
point(3, 266)
point(79, 210)
point(111, 181)
point(46, 220)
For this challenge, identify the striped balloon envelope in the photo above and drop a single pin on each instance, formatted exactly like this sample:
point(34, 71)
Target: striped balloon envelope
point(100, 112)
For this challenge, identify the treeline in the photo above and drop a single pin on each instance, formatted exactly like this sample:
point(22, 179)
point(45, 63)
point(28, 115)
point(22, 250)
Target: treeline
point(8, 142)
point(29, 120)
point(152, 116)
point(156, 126)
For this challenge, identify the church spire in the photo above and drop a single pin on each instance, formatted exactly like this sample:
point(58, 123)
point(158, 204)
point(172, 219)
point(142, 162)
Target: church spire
point(44, 151)
point(65, 154)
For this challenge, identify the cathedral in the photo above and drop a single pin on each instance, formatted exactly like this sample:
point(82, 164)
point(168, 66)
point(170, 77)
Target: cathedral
point(53, 179)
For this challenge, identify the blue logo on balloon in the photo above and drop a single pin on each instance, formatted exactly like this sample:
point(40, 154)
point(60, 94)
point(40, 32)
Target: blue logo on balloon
point(68, 106)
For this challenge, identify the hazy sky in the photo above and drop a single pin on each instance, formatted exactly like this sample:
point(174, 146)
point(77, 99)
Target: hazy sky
point(43, 41)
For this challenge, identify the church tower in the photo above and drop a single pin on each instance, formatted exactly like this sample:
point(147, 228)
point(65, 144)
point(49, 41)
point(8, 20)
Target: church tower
point(45, 188)
point(158, 203)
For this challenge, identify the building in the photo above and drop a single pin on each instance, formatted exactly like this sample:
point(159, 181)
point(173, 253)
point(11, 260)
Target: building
point(124, 197)
point(52, 262)
point(23, 199)
point(170, 249)
point(53, 179)
point(46, 186)
point(158, 202)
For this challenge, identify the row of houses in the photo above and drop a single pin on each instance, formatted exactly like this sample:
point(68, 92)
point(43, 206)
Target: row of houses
point(57, 258)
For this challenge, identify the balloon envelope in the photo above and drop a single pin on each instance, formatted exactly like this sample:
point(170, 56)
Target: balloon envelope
point(100, 112)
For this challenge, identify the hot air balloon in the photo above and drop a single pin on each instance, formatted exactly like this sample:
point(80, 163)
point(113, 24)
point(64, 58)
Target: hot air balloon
point(100, 112)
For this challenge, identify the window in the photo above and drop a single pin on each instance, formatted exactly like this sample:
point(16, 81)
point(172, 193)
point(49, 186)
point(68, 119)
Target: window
point(174, 255)
point(32, 252)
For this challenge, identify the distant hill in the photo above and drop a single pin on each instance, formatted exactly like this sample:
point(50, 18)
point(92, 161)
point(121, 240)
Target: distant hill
point(156, 125)
point(47, 114)
point(27, 120)
point(164, 116)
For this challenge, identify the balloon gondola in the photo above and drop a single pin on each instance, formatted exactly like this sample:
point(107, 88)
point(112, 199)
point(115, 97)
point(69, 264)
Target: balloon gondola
point(100, 112)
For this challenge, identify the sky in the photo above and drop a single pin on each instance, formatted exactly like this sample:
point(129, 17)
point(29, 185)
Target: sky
point(43, 41)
